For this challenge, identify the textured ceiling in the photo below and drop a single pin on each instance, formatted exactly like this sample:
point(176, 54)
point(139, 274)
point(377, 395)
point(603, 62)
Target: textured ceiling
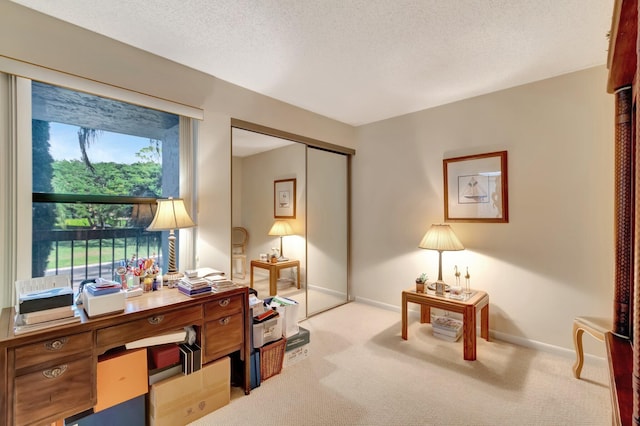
point(358, 61)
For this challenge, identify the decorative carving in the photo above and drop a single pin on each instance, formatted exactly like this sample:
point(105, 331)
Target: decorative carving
point(54, 373)
point(157, 319)
point(56, 345)
point(624, 212)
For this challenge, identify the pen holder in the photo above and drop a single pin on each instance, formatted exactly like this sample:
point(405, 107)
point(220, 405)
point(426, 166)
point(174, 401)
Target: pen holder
point(133, 281)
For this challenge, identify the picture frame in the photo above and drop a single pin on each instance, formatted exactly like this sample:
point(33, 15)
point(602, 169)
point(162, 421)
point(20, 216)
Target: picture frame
point(284, 199)
point(476, 188)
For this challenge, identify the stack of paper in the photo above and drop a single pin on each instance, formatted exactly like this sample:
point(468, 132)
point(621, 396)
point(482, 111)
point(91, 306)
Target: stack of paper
point(223, 285)
point(177, 336)
point(194, 286)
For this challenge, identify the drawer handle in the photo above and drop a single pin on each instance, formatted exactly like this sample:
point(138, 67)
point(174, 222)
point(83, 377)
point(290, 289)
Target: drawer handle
point(224, 321)
point(55, 372)
point(155, 319)
point(224, 302)
point(56, 345)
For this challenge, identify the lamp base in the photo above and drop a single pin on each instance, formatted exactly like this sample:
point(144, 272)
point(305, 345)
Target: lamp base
point(172, 278)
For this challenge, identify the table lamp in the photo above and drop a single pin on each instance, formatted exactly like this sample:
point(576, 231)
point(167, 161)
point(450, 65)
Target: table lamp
point(441, 238)
point(281, 228)
point(170, 215)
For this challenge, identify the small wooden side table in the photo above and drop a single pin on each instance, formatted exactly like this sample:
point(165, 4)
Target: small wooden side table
point(274, 272)
point(468, 307)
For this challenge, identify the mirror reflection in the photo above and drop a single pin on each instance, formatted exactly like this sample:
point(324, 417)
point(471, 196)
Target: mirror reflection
point(289, 219)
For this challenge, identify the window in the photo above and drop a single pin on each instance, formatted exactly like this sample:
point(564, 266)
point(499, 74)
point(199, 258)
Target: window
point(98, 165)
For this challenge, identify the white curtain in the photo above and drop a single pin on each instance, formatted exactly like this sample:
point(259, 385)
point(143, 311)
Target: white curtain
point(187, 243)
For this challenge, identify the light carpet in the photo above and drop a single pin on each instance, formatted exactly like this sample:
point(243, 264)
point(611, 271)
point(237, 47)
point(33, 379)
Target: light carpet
point(361, 372)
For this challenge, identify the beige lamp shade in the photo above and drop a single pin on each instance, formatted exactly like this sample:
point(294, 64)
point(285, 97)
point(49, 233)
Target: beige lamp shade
point(442, 238)
point(171, 214)
point(281, 228)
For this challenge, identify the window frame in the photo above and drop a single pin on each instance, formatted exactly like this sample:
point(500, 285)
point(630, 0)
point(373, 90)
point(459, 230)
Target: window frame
point(16, 176)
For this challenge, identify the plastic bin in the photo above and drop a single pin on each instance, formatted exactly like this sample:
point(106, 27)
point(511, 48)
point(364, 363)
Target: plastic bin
point(267, 331)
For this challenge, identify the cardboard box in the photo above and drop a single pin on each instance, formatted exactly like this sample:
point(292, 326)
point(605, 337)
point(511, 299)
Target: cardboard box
point(181, 400)
point(296, 355)
point(102, 305)
point(300, 339)
point(131, 412)
point(120, 377)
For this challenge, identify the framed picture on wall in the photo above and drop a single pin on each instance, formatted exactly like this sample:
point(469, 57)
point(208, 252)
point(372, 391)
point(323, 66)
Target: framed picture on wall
point(475, 188)
point(284, 198)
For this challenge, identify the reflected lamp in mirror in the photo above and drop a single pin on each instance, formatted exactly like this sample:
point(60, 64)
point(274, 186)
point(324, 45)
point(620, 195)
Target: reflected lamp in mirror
point(171, 214)
point(440, 238)
point(281, 228)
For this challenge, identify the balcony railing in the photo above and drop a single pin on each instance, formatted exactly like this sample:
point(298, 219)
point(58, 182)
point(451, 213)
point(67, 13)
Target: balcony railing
point(92, 253)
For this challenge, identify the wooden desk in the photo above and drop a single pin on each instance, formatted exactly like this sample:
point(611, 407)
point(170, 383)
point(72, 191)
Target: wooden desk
point(51, 374)
point(467, 307)
point(274, 272)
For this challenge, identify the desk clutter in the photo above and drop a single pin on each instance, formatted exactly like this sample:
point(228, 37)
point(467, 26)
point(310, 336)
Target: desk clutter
point(45, 302)
point(277, 340)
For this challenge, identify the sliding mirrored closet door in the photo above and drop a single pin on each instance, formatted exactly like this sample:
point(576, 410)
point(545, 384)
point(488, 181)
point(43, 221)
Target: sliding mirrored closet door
point(320, 227)
point(327, 230)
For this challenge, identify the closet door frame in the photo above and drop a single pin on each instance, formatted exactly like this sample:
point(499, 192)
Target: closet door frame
point(315, 143)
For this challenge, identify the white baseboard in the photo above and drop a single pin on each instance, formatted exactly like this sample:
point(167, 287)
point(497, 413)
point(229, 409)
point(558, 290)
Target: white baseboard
point(336, 293)
point(516, 340)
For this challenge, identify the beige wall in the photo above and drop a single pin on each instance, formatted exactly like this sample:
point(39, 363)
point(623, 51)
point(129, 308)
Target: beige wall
point(553, 260)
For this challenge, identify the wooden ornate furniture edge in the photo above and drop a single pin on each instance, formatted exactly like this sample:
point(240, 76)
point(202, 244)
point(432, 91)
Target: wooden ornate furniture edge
point(624, 359)
point(620, 357)
point(621, 59)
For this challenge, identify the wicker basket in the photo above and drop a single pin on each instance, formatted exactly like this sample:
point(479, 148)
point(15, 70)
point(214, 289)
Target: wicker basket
point(271, 358)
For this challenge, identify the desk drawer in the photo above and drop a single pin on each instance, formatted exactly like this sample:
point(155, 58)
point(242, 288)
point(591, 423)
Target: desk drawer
point(223, 336)
point(223, 307)
point(149, 326)
point(56, 389)
point(52, 349)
